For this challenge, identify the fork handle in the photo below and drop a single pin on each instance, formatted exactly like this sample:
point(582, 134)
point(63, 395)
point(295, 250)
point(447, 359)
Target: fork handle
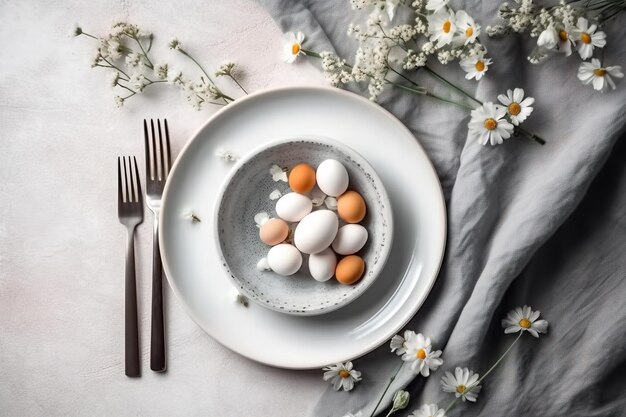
point(157, 337)
point(131, 339)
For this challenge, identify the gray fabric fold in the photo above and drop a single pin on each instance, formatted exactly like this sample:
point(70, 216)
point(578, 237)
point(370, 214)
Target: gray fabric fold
point(526, 226)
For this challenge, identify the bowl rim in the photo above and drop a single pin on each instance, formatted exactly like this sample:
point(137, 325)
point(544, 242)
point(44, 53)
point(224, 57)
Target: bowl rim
point(347, 150)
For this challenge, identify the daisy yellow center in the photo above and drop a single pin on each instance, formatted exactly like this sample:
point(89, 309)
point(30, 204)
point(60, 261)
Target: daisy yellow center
point(600, 72)
point(585, 37)
point(420, 354)
point(460, 388)
point(563, 35)
point(469, 32)
point(344, 374)
point(447, 25)
point(514, 109)
point(295, 49)
point(490, 124)
point(525, 323)
point(480, 66)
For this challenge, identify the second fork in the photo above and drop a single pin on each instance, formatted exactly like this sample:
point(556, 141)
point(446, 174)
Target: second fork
point(158, 164)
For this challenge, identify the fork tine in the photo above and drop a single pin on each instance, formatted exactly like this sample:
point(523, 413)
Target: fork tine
point(155, 171)
point(162, 171)
point(146, 140)
point(132, 181)
point(126, 180)
point(169, 152)
point(120, 195)
point(139, 196)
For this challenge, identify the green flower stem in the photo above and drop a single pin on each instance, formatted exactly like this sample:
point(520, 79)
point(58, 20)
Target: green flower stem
point(393, 377)
point(88, 35)
point(145, 54)
point(237, 82)
point(449, 84)
point(530, 135)
point(224, 96)
point(112, 65)
point(311, 53)
point(126, 87)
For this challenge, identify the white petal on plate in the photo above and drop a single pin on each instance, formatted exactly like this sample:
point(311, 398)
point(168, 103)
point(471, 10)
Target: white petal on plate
point(278, 174)
point(260, 218)
point(275, 195)
point(331, 203)
point(263, 265)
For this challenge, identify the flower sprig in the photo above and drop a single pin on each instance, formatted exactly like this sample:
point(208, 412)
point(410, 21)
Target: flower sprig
point(562, 28)
point(126, 52)
point(417, 353)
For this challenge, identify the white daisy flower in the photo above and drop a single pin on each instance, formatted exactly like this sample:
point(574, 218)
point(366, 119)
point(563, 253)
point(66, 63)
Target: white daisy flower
point(488, 124)
point(418, 351)
point(429, 410)
point(292, 46)
point(278, 174)
point(587, 38)
point(548, 39)
point(600, 77)
point(524, 319)
point(565, 41)
point(436, 5)
point(475, 66)
point(517, 106)
point(462, 384)
point(467, 29)
point(442, 27)
point(342, 376)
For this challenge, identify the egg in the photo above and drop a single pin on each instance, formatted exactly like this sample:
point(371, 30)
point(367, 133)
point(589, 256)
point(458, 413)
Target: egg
point(293, 207)
point(284, 259)
point(302, 178)
point(316, 231)
point(351, 207)
point(322, 265)
point(273, 232)
point(332, 178)
point(350, 269)
point(350, 239)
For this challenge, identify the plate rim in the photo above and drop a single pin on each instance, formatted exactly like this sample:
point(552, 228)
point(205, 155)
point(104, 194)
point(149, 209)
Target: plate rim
point(291, 89)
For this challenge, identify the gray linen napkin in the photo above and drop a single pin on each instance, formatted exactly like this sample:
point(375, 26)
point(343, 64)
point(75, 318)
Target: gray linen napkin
point(526, 226)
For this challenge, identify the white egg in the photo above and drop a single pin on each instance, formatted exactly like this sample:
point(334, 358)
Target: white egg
point(316, 231)
point(350, 239)
point(293, 207)
point(332, 178)
point(284, 259)
point(322, 265)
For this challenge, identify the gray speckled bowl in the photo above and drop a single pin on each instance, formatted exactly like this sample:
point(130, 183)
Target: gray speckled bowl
point(246, 191)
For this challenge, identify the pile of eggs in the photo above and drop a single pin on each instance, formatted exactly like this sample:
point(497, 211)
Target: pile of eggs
point(318, 233)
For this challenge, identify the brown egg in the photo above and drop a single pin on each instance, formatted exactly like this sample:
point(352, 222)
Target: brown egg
point(350, 269)
point(302, 178)
point(351, 207)
point(273, 232)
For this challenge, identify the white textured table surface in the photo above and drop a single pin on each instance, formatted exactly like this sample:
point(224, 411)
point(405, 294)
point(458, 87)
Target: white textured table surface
point(61, 246)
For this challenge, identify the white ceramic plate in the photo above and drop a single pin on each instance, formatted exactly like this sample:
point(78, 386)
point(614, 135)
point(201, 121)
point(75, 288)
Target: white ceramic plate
point(190, 257)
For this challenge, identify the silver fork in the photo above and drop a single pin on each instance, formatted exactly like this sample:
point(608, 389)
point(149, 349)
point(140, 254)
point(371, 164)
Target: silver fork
point(158, 164)
point(130, 213)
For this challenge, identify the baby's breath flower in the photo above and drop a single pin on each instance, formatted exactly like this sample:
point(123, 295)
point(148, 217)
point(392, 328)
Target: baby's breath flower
point(134, 59)
point(115, 77)
point(175, 44)
point(225, 154)
point(95, 61)
point(77, 31)
point(160, 71)
point(119, 101)
point(138, 82)
point(226, 69)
